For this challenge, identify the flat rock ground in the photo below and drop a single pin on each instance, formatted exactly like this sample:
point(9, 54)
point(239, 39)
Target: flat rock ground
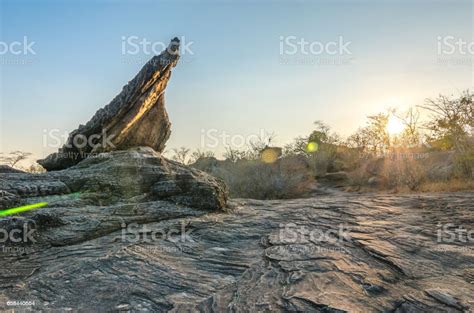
point(261, 256)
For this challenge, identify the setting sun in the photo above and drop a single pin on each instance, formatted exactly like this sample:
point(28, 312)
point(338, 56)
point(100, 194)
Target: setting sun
point(394, 126)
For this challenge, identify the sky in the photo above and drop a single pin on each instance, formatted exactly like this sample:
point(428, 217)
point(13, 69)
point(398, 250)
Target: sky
point(243, 73)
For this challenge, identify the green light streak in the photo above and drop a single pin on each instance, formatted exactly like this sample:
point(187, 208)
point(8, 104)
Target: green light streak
point(23, 208)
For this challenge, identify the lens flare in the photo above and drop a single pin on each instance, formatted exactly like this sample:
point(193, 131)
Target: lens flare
point(23, 208)
point(269, 155)
point(312, 146)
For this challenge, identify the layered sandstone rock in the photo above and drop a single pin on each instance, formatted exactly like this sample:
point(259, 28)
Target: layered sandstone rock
point(136, 117)
point(130, 176)
point(343, 252)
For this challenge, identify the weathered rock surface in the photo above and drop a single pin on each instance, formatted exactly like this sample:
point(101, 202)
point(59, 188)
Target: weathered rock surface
point(8, 169)
point(336, 177)
point(126, 230)
point(135, 117)
point(133, 176)
point(261, 256)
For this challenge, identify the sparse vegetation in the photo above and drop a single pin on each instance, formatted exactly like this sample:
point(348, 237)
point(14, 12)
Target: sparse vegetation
point(432, 155)
point(14, 158)
point(422, 156)
point(286, 178)
point(181, 155)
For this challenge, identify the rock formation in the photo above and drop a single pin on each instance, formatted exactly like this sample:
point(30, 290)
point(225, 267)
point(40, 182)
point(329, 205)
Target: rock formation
point(134, 176)
point(121, 160)
point(136, 117)
point(126, 230)
point(262, 256)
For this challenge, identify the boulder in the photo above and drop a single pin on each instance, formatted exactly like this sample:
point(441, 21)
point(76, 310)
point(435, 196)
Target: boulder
point(8, 169)
point(135, 117)
point(121, 163)
point(132, 176)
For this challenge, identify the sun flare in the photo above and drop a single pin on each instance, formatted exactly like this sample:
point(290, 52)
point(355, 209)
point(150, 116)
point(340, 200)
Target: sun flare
point(394, 126)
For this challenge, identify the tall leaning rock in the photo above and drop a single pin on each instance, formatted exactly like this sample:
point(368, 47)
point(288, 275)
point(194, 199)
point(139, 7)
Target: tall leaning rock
point(135, 117)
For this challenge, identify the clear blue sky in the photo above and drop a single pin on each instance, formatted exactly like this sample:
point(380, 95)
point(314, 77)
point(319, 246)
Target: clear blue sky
point(235, 81)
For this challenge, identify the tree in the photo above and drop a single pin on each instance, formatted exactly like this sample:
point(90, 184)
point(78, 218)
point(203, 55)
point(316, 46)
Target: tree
point(373, 138)
point(359, 140)
point(297, 147)
point(412, 133)
point(259, 144)
point(14, 157)
point(198, 154)
point(322, 134)
point(379, 139)
point(452, 121)
point(181, 155)
point(234, 155)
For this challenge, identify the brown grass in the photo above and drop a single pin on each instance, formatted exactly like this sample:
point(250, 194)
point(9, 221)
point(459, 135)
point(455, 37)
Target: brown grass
point(284, 179)
point(450, 185)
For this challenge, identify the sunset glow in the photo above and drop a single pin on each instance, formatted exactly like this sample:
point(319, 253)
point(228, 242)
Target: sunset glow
point(395, 126)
